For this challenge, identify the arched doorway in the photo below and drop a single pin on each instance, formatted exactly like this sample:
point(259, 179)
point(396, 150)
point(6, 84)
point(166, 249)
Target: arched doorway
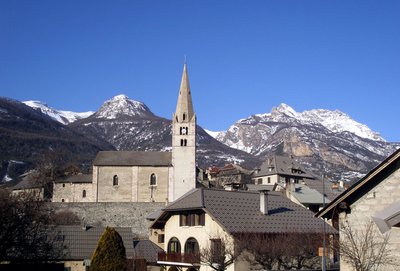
point(192, 251)
point(174, 246)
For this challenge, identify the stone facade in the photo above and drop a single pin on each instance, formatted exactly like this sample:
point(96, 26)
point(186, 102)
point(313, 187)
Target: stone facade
point(73, 192)
point(113, 214)
point(133, 183)
point(376, 200)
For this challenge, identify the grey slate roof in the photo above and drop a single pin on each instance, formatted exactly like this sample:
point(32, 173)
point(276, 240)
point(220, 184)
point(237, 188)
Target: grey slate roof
point(146, 249)
point(306, 195)
point(80, 244)
point(259, 187)
point(282, 165)
point(239, 211)
point(27, 184)
point(132, 158)
point(79, 178)
point(323, 186)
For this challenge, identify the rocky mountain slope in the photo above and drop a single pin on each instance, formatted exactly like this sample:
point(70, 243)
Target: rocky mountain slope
point(29, 138)
point(327, 142)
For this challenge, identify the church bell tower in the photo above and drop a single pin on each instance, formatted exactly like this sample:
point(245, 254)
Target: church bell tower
point(183, 142)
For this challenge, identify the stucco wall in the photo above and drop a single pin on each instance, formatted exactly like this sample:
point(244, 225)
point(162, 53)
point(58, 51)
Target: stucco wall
point(202, 234)
point(379, 198)
point(273, 179)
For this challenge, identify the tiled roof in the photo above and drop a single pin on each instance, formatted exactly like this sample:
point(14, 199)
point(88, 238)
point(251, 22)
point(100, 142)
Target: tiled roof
point(79, 178)
point(28, 183)
point(239, 212)
point(282, 165)
point(323, 186)
point(146, 249)
point(260, 187)
point(306, 195)
point(132, 158)
point(80, 243)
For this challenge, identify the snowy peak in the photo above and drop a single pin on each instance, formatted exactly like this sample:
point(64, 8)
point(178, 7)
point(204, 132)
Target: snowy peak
point(64, 117)
point(284, 109)
point(120, 106)
point(335, 121)
point(338, 122)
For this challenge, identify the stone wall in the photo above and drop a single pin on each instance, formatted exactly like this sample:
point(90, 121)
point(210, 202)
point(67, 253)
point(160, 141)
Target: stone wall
point(113, 214)
point(376, 200)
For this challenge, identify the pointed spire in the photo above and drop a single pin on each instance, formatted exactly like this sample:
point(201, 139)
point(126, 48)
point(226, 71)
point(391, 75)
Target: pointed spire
point(184, 107)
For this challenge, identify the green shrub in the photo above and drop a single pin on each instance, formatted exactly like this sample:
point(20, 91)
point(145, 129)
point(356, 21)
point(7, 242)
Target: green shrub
point(110, 253)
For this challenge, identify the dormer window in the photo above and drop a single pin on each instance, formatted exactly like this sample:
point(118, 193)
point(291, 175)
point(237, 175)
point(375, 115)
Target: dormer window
point(115, 180)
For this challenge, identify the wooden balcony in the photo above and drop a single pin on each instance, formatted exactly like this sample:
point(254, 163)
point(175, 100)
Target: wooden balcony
point(190, 258)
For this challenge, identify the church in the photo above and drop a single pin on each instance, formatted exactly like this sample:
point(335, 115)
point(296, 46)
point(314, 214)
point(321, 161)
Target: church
point(137, 176)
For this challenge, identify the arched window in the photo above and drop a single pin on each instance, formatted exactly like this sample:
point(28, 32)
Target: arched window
point(191, 247)
point(184, 116)
point(174, 246)
point(84, 194)
point(115, 180)
point(184, 142)
point(153, 179)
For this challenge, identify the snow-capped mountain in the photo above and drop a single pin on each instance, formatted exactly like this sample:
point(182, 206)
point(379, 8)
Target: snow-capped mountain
point(30, 138)
point(329, 142)
point(64, 117)
point(130, 125)
point(120, 106)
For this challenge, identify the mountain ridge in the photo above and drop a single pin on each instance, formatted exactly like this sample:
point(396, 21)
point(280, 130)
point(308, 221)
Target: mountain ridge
point(328, 142)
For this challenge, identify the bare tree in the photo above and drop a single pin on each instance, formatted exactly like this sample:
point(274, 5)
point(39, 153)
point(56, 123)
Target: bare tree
point(221, 253)
point(281, 251)
point(65, 217)
point(25, 232)
point(364, 248)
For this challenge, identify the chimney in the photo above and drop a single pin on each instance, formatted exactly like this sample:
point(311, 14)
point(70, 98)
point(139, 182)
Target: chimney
point(264, 201)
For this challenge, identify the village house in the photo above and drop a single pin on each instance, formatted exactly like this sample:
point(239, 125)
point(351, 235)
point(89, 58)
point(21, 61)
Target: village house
point(373, 201)
point(280, 169)
point(208, 218)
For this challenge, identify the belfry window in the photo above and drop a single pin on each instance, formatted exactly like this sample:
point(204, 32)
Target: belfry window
point(115, 180)
point(183, 130)
point(183, 142)
point(153, 179)
point(184, 116)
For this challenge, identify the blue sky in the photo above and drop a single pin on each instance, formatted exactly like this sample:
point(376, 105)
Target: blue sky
point(244, 57)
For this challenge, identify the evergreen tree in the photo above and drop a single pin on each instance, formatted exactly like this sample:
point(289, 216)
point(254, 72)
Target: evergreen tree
point(110, 253)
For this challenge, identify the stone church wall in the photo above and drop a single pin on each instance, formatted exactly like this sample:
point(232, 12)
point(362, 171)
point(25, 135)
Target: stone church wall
point(73, 192)
point(157, 193)
point(113, 214)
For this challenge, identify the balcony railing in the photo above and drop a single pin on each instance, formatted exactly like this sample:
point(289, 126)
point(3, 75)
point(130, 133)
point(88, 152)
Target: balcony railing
point(179, 257)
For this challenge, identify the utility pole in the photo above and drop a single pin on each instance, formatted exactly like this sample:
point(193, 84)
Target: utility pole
point(324, 227)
